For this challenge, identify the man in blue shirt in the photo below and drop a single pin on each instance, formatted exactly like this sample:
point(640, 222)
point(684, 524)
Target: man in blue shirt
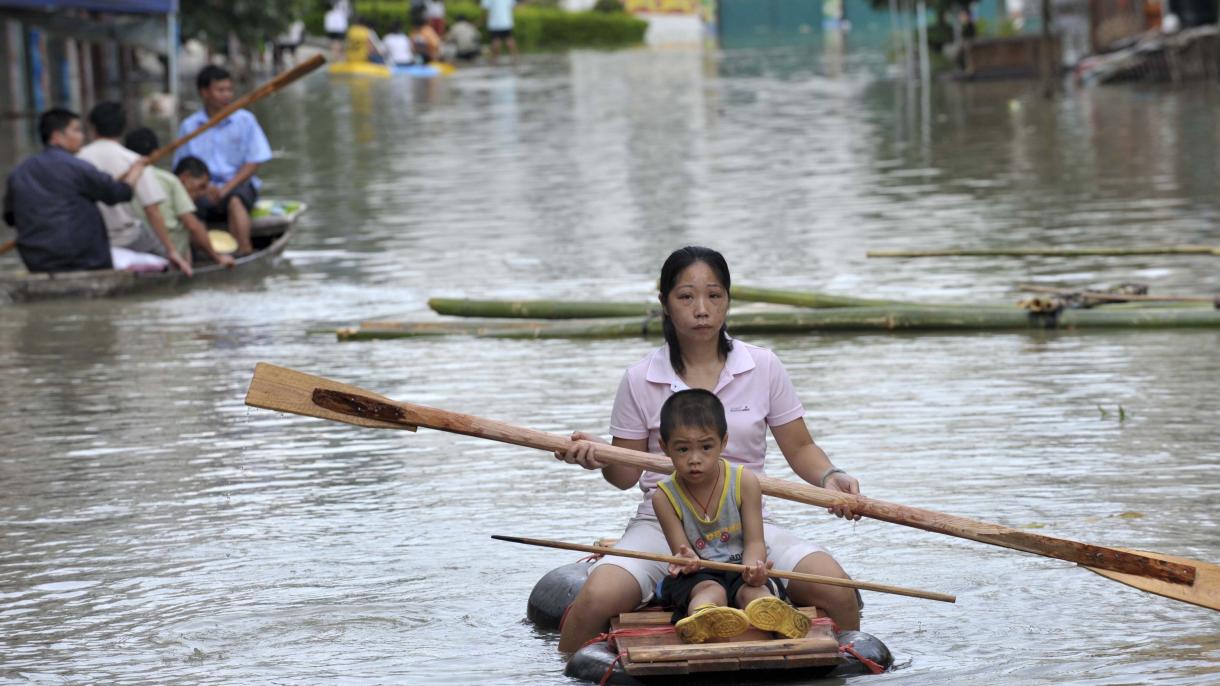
point(51, 200)
point(232, 150)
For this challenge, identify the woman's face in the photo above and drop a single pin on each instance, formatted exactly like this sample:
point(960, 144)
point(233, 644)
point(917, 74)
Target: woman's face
point(698, 303)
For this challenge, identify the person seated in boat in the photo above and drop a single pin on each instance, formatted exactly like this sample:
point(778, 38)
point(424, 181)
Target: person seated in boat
point(710, 510)
point(424, 40)
point(186, 185)
point(108, 121)
point(52, 198)
point(233, 151)
point(398, 46)
point(464, 38)
point(362, 43)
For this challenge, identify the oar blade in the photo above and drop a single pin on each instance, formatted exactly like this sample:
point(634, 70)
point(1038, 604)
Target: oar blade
point(287, 390)
point(1204, 592)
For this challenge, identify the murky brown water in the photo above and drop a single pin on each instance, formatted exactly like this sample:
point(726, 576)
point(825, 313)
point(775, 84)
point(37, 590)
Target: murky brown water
point(155, 530)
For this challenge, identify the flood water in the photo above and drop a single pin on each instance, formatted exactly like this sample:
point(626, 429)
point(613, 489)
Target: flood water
point(153, 529)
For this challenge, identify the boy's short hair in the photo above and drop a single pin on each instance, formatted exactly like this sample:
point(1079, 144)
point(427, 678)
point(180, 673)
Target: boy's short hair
point(191, 166)
point(141, 140)
point(210, 74)
point(693, 407)
point(53, 121)
point(108, 119)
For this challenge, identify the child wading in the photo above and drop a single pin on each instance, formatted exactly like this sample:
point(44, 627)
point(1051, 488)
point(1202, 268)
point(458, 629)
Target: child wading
point(716, 509)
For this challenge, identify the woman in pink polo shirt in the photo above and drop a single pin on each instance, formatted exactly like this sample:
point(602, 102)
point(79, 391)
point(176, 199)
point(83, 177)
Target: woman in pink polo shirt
point(756, 393)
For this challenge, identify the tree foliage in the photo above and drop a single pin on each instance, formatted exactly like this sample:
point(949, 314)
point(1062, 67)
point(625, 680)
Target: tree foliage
point(251, 21)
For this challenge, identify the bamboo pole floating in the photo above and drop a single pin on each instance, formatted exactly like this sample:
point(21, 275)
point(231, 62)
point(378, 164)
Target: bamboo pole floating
point(1120, 297)
point(835, 320)
point(729, 567)
point(249, 98)
point(287, 390)
point(1054, 252)
point(540, 309)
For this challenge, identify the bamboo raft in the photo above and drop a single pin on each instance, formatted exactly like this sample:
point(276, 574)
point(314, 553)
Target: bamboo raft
point(270, 231)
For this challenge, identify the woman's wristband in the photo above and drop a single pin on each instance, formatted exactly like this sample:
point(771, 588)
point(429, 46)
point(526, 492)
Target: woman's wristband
point(826, 475)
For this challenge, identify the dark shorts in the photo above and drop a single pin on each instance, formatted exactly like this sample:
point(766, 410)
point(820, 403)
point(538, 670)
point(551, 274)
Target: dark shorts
point(210, 212)
point(676, 590)
point(500, 34)
point(338, 35)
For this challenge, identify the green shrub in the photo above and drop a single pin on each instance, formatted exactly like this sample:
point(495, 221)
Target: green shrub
point(609, 6)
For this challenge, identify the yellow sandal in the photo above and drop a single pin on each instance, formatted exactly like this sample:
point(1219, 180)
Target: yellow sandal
point(712, 621)
point(772, 614)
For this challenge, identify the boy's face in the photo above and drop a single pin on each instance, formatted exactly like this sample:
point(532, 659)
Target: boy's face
point(71, 138)
point(196, 186)
point(695, 451)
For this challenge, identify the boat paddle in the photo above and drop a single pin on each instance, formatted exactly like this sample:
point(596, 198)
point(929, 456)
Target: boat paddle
point(244, 101)
point(287, 390)
point(730, 567)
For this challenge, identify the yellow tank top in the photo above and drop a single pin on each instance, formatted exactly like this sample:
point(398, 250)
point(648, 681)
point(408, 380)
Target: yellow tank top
point(357, 44)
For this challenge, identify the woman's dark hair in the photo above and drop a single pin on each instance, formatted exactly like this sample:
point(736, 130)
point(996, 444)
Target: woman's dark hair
point(53, 121)
point(141, 140)
point(109, 119)
point(677, 263)
point(693, 408)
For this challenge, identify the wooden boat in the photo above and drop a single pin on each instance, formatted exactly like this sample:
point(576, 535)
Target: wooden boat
point(272, 225)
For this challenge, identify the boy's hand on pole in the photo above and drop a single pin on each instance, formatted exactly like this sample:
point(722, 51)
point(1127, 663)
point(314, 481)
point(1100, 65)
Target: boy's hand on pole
point(756, 575)
point(688, 568)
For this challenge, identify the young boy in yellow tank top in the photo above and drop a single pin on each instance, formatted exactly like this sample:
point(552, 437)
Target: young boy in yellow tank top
point(716, 509)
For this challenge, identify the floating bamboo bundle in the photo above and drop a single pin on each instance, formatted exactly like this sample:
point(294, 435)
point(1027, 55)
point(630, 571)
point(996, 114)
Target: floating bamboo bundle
point(1124, 297)
point(853, 319)
point(1054, 252)
point(540, 309)
point(806, 299)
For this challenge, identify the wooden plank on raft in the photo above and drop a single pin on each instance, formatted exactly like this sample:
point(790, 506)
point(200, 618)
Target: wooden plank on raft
point(676, 653)
point(638, 669)
point(724, 664)
point(763, 662)
point(637, 619)
point(812, 660)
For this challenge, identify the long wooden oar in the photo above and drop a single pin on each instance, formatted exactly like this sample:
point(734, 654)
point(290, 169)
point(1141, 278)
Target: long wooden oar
point(288, 390)
point(730, 567)
point(253, 96)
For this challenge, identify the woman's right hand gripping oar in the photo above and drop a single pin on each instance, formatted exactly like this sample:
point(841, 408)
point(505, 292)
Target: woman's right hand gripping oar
point(580, 451)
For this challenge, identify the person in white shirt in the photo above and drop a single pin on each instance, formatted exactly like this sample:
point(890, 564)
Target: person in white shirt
point(335, 25)
point(398, 45)
point(464, 37)
point(500, 26)
point(108, 121)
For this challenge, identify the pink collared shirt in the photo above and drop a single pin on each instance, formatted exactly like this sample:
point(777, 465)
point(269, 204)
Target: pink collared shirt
point(753, 386)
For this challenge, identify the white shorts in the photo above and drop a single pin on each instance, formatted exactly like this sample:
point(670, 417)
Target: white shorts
point(644, 534)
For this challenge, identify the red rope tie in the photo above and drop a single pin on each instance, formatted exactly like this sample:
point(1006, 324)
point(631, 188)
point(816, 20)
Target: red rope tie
point(872, 666)
point(611, 639)
point(610, 670)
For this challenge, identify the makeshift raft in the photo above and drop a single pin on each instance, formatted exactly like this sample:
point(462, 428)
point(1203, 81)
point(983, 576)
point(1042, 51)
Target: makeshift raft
point(642, 647)
point(272, 224)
